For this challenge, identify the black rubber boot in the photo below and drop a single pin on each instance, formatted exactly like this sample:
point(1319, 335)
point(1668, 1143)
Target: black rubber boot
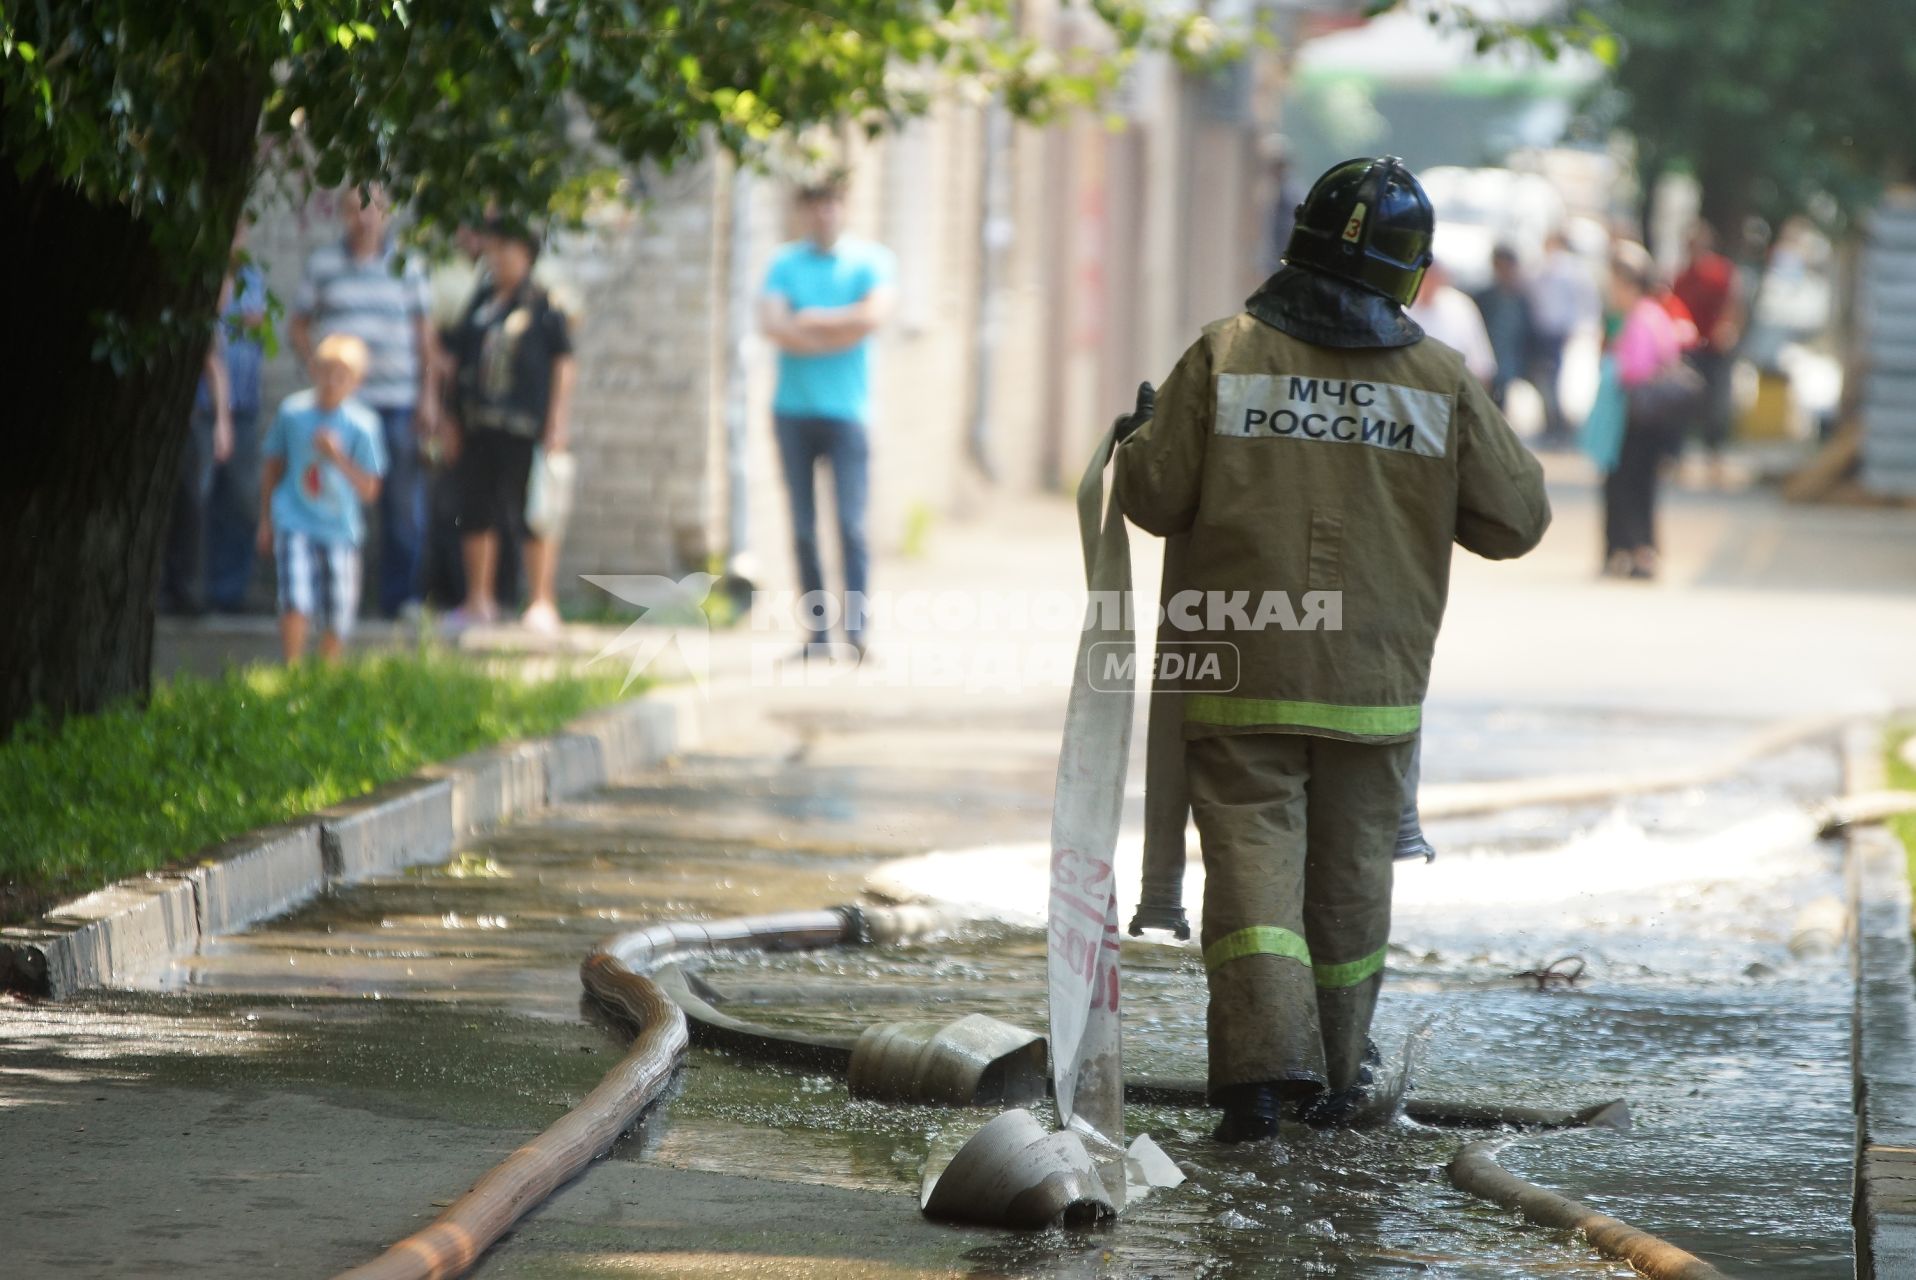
point(1250, 1113)
point(1335, 1108)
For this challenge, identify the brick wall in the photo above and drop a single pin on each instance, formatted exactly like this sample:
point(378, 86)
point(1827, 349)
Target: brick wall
point(644, 420)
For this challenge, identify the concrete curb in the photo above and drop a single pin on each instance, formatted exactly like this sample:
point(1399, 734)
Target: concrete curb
point(126, 928)
point(123, 934)
point(493, 785)
point(400, 825)
point(260, 874)
point(1883, 957)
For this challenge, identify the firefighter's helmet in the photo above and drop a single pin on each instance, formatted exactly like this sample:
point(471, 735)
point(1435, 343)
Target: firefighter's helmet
point(1367, 221)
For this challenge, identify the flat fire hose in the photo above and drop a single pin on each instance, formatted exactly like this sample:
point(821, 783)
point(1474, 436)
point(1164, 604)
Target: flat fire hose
point(1081, 961)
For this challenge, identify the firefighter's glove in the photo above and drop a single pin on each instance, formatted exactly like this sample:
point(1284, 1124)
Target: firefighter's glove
point(1147, 405)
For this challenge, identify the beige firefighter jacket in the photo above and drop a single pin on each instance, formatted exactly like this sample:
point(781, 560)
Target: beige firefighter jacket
point(1321, 488)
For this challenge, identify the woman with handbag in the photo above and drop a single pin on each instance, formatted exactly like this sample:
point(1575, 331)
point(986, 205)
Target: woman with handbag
point(514, 378)
point(1657, 390)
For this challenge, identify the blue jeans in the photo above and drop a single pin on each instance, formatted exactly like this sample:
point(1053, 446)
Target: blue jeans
point(402, 513)
point(802, 443)
point(1544, 373)
point(232, 517)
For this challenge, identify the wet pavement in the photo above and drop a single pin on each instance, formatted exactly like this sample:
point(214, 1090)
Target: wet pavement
point(330, 1079)
point(304, 1094)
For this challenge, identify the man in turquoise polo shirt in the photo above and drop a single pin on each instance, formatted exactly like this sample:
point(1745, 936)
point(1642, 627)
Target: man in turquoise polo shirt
point(825, 295)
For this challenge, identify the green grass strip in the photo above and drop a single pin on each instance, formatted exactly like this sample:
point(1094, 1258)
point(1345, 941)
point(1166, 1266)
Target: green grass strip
point(135, 788)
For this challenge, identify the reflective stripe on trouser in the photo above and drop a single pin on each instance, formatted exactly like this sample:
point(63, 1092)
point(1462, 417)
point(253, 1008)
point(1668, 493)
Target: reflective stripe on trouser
point(1298, 834)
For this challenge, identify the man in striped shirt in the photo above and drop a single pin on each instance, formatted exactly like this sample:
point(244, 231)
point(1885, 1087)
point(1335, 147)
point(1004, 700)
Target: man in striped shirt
point(355, 286)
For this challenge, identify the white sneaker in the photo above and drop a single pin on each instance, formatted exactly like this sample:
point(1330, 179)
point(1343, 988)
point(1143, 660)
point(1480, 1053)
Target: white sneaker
point(542, 618)
point(462, 620)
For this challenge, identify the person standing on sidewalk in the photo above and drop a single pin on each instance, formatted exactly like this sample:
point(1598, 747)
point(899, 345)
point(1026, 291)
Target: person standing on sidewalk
point(324, 455)
point(824, 297)
point(1448, 314)
point(1708, 288)
point(233, 505)
point(1505, 306)
point(1563, 299)
point(1647, 348)
point(209, 442)
point(356, 286)
point(513, 387)
point(1320, 444)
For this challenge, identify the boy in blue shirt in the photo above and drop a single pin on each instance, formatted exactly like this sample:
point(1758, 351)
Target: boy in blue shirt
point(324, 456)
point(824, 297)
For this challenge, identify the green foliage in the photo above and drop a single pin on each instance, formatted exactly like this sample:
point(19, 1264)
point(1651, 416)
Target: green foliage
point(528, 106)
point(1580, 28)
point(1777, 108)
point(134, 788)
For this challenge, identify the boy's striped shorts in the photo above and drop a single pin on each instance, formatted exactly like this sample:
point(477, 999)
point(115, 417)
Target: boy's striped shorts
point(318, 579)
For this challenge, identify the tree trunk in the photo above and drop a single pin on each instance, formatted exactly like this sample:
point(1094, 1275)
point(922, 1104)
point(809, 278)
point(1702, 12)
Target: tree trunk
point(93, 450)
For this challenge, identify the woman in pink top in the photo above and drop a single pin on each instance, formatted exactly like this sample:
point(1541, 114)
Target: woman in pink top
point(1646, 346)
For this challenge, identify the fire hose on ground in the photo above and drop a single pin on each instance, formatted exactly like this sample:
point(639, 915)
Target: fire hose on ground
point(638, 979)
point(617, 975)
point(979, 1059)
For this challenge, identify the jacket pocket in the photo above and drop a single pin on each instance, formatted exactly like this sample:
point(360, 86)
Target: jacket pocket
point(1326, 572)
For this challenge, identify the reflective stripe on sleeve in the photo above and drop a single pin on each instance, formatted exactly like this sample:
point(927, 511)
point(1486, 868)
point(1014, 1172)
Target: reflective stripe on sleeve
point(1258, 940)
point(1348, 974)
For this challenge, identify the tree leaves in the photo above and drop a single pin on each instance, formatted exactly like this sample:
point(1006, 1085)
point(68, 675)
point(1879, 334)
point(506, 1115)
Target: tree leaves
point(465, 106)
point(1777, 108)
point(1547, 38)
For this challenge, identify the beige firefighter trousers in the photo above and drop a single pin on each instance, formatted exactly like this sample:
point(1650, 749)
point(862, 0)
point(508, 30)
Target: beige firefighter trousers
point(1297, 835)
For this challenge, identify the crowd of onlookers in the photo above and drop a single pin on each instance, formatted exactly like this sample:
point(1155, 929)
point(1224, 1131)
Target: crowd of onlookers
point(451, 425)
point(442, 401)
point(1665, 374)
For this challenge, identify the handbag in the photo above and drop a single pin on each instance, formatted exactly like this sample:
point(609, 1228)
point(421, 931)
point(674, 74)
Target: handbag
point(1667, 401)
point(549, 493)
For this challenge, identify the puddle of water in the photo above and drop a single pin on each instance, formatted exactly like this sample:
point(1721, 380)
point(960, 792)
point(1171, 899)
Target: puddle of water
point(1739, 1083)
point(1732, 1053)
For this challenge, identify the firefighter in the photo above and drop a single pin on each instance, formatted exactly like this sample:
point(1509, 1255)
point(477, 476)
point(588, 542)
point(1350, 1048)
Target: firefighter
point(1317, 442)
